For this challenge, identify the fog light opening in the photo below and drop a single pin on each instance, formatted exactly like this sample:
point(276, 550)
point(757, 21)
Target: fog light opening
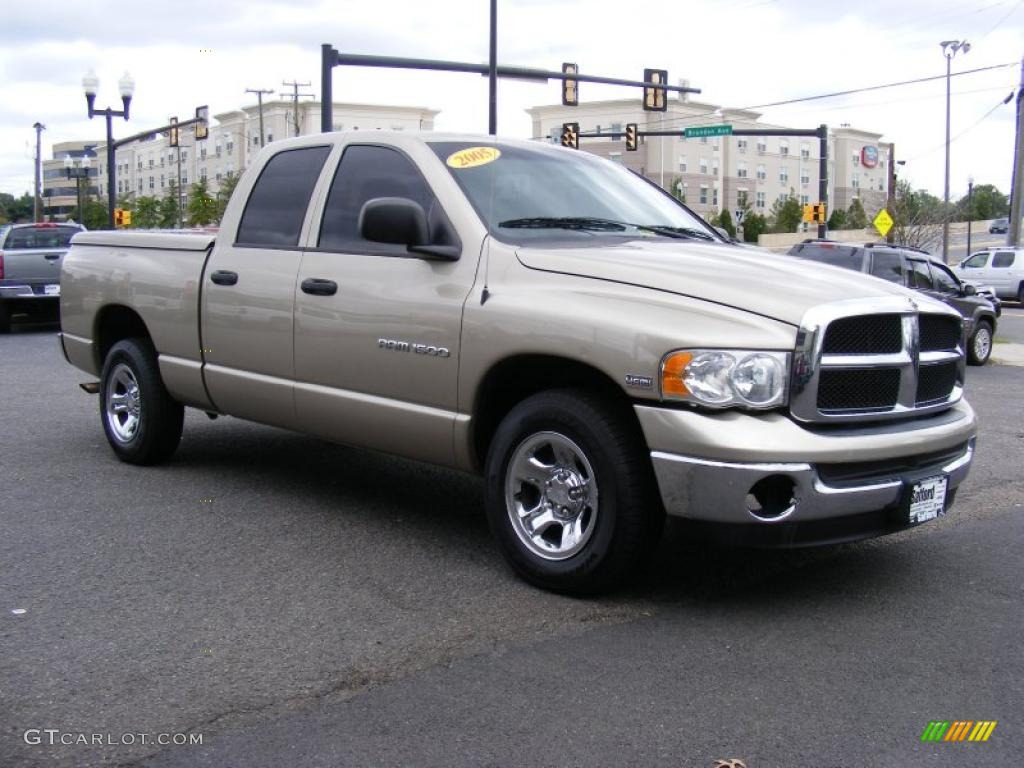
point(771, 498)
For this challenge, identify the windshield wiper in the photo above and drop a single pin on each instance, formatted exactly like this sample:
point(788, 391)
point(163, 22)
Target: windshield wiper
point(598, 224)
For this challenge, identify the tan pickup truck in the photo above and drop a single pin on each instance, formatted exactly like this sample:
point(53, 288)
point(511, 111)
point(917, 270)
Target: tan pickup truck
point(544, 318)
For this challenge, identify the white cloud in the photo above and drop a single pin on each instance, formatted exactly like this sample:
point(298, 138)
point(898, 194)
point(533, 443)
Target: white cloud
point(740, 52)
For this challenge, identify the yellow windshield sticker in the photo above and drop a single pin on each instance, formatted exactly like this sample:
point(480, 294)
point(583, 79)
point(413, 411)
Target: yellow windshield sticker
point(472, 157)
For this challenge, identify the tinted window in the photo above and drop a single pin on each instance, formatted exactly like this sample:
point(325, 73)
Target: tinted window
point(976, 261)
point(277, 206)
point(944, 280)
point(40, 237)
point(919, 275)
point(364, 174)
point(886, 265)
point(846, 256)
point(1003, 259)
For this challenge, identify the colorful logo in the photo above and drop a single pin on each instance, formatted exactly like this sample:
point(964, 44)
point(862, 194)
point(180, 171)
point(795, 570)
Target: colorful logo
point(958, 730)
point(869, 157)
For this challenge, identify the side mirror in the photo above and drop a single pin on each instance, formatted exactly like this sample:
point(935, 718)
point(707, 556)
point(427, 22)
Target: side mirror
point(394, 220)
point(970, 290)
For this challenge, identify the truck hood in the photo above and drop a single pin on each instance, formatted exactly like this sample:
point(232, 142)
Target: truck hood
point(769, 284)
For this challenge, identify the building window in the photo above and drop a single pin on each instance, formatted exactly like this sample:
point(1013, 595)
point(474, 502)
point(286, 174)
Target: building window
point(741, 145)
point(704, 194)
point(161, 181)
point(151, 162)
point(762, 146)
point(805, 151)
point(184, 155)
point(714, 142)
point(270, 136)
point(855, 157)
point(855, 181)
point(202, 152)
point(741, 170)
point(784, 175)
point(804, 199)
point(714, 197)
point(703, 165)
point(759, 200)
point(230, 146)
point(682, 163)
point(151, 184)
point(762, 174)
point(805, 176)
point(714, 166)
point(784, 148)
point(256, 139)
point(140, 186)
point(741, 198)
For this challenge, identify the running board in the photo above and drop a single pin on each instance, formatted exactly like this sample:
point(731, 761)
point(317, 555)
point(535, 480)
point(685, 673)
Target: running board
point(92, 387)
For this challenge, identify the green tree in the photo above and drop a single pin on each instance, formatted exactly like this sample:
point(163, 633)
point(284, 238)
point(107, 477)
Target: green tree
point(224, 192)
point(202, 208)
point(725, 222)
point(147, 213)
point(786, 214)
point(15, 210)
point(678, 190)
point(168, 208)
point(837, 220)
point(917, 217)
point(855, 216)
point(94, 215)
point(986, 202)
point(754, 225)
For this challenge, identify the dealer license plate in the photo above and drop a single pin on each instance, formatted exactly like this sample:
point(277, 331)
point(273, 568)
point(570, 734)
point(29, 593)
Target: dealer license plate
point(52, 290)
point(928, 499)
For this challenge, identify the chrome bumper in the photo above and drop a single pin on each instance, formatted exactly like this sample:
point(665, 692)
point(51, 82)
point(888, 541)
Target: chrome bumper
point(717, 491)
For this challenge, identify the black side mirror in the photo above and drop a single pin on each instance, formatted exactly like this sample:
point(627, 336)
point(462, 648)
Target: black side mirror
point(394, 220)
point(970, 290)
point(401, 221)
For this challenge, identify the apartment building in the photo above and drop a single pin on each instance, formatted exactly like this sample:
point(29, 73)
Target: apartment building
point(152, 167)
point(716, 173)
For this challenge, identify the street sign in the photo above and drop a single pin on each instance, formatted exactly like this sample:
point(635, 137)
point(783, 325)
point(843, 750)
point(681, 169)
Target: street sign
point(883, 222)
point(707, 130)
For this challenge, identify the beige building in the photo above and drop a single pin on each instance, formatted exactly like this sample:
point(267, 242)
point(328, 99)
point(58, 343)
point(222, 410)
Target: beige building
point(153, 167)
point(716, 173)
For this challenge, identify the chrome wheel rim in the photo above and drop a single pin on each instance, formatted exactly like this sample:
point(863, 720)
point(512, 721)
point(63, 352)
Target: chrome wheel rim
point(551, 495)
point(123, 403)
point(982, 343)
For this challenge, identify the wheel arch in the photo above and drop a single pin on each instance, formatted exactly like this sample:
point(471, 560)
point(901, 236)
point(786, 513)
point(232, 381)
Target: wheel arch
point(513, 379)
point(114, 323)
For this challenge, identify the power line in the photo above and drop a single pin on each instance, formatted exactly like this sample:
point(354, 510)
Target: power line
point(1002, 20)
point(971, 127)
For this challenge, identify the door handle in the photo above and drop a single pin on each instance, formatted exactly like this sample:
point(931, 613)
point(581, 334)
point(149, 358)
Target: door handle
point(319, 287)
point(52, 256)
point(224, 277)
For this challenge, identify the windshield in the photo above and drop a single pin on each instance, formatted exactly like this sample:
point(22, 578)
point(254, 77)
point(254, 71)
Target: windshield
point(529, 193)
point(40, 236)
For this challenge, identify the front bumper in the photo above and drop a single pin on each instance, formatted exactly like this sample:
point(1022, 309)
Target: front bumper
point(779, 483)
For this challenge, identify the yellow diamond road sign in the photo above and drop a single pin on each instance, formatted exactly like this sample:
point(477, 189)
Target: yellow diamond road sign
point(883, 222)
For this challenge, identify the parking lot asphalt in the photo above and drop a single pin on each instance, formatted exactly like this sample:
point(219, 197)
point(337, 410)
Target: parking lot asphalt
point(300, 603)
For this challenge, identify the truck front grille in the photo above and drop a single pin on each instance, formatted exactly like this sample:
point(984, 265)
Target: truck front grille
point(858, 360)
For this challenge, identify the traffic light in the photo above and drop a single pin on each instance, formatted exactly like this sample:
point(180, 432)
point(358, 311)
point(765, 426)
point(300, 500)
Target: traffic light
point(122, 217)
point(654, 98)
point(631, 137)
point(570, 86)
point(571, 135)
point(203, 126)
point(820, 213)
point(809, 213)
point(172, 135)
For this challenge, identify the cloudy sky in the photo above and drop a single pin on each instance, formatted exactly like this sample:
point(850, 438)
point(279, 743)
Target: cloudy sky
point(183, 53)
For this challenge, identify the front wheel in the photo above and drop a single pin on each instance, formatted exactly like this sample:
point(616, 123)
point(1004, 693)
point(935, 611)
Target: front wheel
point(571, 496)
point(142, 422)
point(979, 348)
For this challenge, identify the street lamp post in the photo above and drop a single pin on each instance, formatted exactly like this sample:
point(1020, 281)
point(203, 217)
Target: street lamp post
point(970, 213)
point(126, 85)
point(78, 172)
point(950, 48)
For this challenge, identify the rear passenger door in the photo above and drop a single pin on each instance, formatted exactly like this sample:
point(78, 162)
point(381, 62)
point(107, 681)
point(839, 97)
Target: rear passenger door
point(248, 300)
point(377, 350)
point(1001, 273)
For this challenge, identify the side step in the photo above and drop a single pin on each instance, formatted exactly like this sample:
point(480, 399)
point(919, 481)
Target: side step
point(92, 387)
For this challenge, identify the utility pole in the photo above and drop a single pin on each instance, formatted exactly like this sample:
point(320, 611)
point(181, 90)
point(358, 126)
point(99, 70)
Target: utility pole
point(37, 206)
point(492, 73)
point(259, 100)
point(1017, 194)
point(970, 213)
point(295, 101)
point(890, 204)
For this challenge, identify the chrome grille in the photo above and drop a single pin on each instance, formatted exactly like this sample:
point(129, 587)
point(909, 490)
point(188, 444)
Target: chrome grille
point(862, 360)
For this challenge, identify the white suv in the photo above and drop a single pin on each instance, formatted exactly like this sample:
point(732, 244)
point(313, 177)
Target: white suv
point(1002, 268)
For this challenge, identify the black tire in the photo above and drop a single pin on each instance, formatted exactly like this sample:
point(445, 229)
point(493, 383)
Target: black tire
point(979, 348)
point(1020, 293)
point(5, 319)
point(627, 519)
point(158, 417)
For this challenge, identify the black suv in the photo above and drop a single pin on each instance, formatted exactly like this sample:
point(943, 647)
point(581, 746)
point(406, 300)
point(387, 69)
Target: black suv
point(916, 269)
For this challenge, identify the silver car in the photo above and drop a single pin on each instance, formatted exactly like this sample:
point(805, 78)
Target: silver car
point(30, 259)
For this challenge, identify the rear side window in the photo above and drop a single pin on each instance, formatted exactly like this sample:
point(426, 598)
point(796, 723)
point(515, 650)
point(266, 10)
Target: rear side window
point(40, 237)
point(367, 172)
point(887, 265)
point(977, 261)
point(920, 277)
point(846, 256)
point(1002, 259)
point(277, 206)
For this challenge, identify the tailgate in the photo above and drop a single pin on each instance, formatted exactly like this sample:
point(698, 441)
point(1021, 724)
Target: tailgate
point(42, 265)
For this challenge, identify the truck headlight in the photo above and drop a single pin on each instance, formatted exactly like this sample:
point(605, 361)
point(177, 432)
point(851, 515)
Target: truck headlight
point(722, 378)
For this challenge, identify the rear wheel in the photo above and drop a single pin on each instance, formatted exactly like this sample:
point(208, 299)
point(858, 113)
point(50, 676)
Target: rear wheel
point(571, 496)
point(140, 419)
point(979, 348)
